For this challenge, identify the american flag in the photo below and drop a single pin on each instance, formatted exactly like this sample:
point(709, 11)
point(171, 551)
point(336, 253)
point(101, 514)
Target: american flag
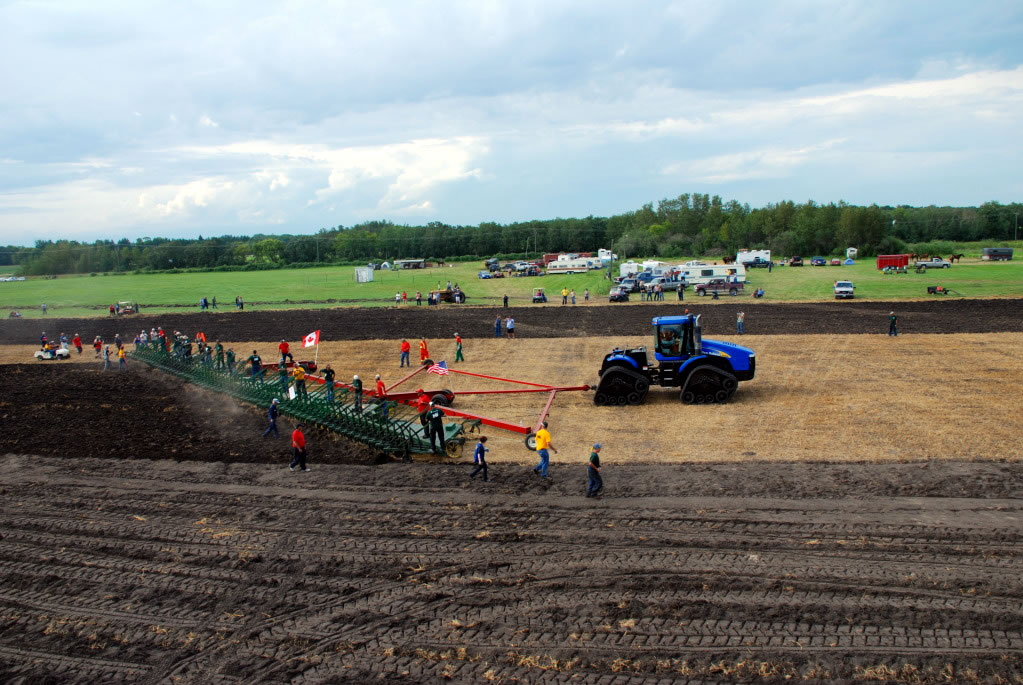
point(440, 368)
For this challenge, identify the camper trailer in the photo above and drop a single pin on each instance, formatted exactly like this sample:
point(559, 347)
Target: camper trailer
point(564, 265)
point(748, 256)
point(732, 273)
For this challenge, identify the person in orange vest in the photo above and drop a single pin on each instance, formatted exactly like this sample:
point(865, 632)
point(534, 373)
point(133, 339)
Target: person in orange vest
point(424, 352)
point(406, 347)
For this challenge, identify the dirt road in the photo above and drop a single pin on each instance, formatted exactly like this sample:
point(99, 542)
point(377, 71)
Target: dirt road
point(548, 321)
point(116, 571)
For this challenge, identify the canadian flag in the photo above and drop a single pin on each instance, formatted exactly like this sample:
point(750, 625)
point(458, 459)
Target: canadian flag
point(311, 339)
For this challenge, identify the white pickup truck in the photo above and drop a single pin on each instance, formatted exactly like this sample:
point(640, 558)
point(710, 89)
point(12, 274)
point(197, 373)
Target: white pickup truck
point(933, 263)
point(844, 290)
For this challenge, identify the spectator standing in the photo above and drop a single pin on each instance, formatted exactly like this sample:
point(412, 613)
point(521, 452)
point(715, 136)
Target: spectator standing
point(283, 378)
point(257, 364)
point(740, 323)
point(572, 295)
point(506, 301)
point(586, 295)
point(681, 292)
point(397, 299)
point(406, 347)
point(564, 296)
point(106, 358)
point(435, 419)
point(241, 304)
point(419, 298)
point(404, 297)
point(381, 390)
point(893, 324)
point(97, 344)
point(596, 483)
point(272, 415)
point(479, 457)
point(230, 361)
point(543, 445)
point(300, 389)
point(285, 350)
point(510, 324)
point(122, 362)
point(424, 351)
point(298, 445)
point(357, 392)
point(43, 307)
point(328, 381)
point(458, 348)
point(77, 342)
point(214, 301)
point(219, 353)
point(497, 327)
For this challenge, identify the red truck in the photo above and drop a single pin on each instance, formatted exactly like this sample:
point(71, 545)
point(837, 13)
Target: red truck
point(895, 261)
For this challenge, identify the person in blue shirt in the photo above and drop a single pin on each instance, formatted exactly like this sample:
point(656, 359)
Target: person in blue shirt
point(479, 457)
point(272, 415)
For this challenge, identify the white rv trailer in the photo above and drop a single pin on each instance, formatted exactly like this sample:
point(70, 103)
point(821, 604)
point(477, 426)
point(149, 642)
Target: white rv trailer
point(570, 266)
point(708, 272)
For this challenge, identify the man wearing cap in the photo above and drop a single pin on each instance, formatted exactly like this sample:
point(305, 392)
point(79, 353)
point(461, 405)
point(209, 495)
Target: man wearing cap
point(328, 381)
point(543, 444)
point(458, 348)
point(893, 324)
point(422, 405)
point(593, 471)
point(357, 392)
point(285, 350)
point(406, 347)
point(298, 444)
point(272, 415)
point(436, 420)
point(299, 375)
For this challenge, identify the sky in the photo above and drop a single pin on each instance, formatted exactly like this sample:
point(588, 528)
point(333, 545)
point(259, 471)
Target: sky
point(181, 119)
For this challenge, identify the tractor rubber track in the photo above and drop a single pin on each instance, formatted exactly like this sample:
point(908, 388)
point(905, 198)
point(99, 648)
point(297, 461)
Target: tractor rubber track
point(173, 572)
point(621, 386)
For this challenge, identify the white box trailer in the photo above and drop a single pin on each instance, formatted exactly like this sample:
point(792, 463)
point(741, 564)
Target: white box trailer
point(747, 256)
point(570, 266)
point(708, 272)
point(629, 269)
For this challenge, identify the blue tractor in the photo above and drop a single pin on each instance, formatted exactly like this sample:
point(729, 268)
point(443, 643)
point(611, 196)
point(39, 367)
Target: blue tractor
point(705, 371)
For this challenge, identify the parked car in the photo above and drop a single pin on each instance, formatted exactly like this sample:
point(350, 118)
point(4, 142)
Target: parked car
point(757, 263)
point(618, 294)
point(796, 261)
point(484, 274)
point(836, 262)
point(666, 284)
point(844, 290)
point(630, 285)
point(818, 261)
point(719, 285)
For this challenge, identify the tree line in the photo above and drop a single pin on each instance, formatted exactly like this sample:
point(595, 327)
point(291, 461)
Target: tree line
point(688, 225)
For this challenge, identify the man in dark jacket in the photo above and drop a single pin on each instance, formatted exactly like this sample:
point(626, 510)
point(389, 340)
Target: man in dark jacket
point(435, 419)
point(272, 415)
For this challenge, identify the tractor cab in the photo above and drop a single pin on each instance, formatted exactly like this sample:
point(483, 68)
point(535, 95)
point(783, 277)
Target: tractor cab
point(676, 337)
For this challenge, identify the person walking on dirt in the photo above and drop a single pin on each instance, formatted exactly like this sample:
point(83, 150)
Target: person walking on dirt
point(479, 457)
point(122, 362)
point(893, 324)
point(257, 365)
point(219, 353)
point(435, 419)
point(740, 323)
point(406, 348)
point(106, 358)
point(328, 381)
point(272, 415)
point(298, 445)
point(285, 350)
point(510, 325)
point(230, 361)
point(543, 444)
point(357, 393)
point(497, 327)
point(77, 342)
point(424, 351)
point(300, 391)
point(596, 483)
point(97, 344)
point(458, 348)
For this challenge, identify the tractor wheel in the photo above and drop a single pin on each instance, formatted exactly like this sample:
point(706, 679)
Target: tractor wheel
point(531, 442)
point(600, 399)
point(701, 292)
point(708, 384)
point(687, 397)
point(453, 447)
point(634, 398)
point(427, 362)
point(441, 400)
point(733, 291)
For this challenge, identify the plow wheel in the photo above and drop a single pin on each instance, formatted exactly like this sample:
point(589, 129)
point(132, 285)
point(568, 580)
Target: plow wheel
point(708, 385)
point(453, 447)
point(620, 386)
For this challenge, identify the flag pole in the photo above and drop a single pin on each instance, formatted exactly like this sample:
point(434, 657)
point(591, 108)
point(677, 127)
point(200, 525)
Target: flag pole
point(316, 356)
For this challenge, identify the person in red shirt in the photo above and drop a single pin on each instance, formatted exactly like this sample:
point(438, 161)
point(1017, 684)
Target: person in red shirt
point(424, 352)
point(298, 444)
point(381, 388)
point(404, 297)
point(285, 349)
point(422, 405)
point(406, 347)
point(77, 342)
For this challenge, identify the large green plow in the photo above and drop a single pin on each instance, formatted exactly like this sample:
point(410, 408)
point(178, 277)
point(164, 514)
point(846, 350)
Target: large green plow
point(391, 427)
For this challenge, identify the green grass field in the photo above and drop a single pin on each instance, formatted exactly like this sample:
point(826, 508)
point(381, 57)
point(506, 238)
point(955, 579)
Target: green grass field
point(308, 288)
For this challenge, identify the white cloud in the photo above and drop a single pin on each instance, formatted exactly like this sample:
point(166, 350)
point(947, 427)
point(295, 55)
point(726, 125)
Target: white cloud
point(768, 162)
point(204, 120)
